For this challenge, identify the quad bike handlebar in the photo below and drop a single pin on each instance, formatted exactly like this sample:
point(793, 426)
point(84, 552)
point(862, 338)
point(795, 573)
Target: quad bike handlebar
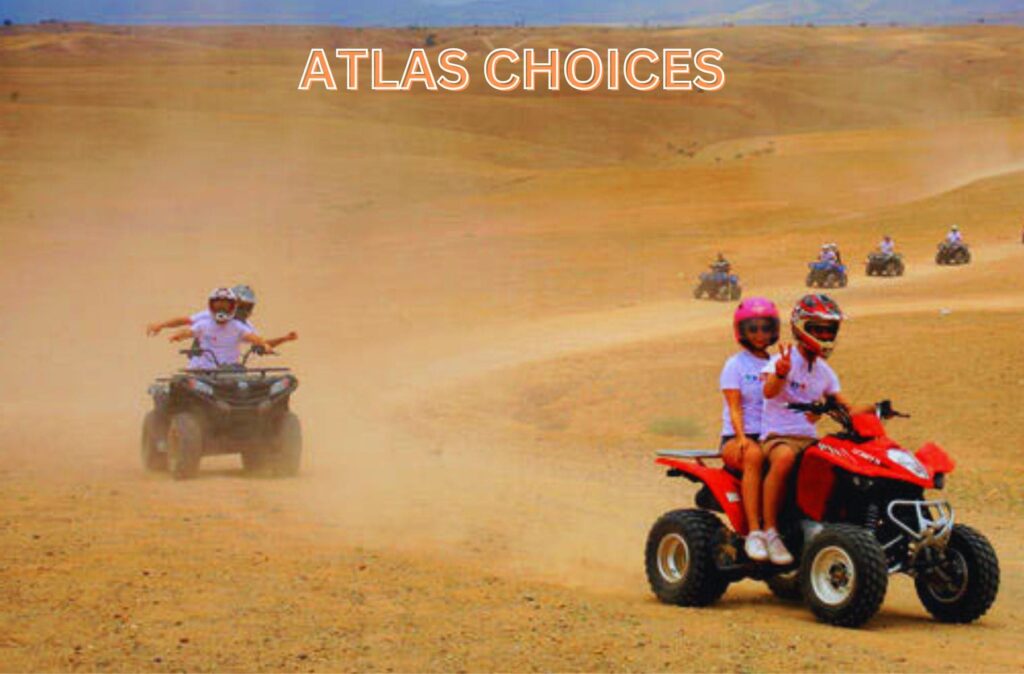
point(257, 350)
point(831, 407)
point(196, 352)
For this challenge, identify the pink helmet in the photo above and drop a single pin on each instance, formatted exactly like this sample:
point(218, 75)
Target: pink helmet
point(751, 308)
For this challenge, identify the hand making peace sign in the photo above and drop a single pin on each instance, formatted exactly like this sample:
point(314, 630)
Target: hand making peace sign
point(785, 362)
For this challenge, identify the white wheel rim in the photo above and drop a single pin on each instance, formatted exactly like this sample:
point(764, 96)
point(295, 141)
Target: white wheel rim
point(673, 558)
point(833, 577)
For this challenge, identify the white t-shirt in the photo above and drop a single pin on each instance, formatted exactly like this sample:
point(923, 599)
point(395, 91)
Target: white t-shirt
point(954, 237)
point(742, 372)
point(223, 339)
point(204, 315)
point(887, 247)
point(801, 386)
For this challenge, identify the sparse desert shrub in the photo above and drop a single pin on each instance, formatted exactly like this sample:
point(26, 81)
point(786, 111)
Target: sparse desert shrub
point(431, 40)
point(8, 23)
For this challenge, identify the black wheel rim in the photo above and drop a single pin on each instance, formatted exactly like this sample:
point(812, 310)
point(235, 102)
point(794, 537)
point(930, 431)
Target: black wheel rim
point(947, 582)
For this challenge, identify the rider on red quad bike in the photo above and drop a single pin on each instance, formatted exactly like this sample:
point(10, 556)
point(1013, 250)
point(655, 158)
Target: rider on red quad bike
point(853, 512)
point(756, 328)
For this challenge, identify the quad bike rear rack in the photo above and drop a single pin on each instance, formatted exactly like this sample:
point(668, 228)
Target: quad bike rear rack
point(696, 454)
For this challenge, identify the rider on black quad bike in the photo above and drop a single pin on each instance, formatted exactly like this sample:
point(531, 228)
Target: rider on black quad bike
point(953, 249)
point(885, 261)
point(220, 406)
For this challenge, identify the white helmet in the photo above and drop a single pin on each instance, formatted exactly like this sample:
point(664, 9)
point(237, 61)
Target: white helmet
point(222, 303)
point(955, 228)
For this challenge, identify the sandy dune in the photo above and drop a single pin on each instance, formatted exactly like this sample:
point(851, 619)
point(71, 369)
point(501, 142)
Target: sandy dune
point(492, 297)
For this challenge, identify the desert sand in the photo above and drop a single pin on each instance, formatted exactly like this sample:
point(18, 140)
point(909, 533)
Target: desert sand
point(493, 298)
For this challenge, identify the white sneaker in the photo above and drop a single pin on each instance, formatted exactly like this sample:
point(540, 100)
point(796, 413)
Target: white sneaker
point(777, 551)
point(754, 546)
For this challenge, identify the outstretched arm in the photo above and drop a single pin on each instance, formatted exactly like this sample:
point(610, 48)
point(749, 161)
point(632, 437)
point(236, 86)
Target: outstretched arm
point(154, 328)
point(256, 340)
point(276, 341)
point(187, 333)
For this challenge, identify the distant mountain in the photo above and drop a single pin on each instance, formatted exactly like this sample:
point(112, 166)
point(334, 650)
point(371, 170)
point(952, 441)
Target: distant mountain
point(506, 12)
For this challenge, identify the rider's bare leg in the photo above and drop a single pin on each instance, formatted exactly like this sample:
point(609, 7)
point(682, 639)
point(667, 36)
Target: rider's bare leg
point(751, 462)
point(780, 463)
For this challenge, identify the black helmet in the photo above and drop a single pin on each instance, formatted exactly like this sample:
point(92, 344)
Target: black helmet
point(246, 301)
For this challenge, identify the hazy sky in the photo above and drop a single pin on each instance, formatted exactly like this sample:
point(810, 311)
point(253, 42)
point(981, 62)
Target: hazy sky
point(448, 12)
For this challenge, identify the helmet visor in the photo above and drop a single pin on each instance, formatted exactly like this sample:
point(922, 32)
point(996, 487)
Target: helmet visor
point(822, 330)
point(222, 306)
point(754, 326)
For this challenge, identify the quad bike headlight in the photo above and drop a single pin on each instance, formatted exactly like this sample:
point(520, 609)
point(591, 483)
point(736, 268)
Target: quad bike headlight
point(907, 461)
point(280, 386)
point(200, 387)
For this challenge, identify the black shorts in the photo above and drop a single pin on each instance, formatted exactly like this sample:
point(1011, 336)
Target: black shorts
point(727, 438)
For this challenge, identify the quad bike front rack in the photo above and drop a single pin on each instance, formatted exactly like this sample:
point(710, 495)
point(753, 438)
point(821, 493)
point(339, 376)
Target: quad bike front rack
point(930, 528)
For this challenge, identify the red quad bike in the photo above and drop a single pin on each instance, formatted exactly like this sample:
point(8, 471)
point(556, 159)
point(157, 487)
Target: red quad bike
point(854, 513)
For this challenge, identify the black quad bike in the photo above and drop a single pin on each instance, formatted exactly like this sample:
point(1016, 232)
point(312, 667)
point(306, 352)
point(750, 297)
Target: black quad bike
point(855, 513)
point(718, 285)
point(882, 264)
point(953, 253)
point(229, 409)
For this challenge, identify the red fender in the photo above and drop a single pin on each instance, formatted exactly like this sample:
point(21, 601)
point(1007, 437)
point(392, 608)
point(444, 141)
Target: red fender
point(868, 426)
point(814, 484)
point(724, 486)
point(935, 459)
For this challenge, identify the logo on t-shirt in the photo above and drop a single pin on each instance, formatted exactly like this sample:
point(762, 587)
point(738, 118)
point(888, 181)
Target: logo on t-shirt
point(797, 385)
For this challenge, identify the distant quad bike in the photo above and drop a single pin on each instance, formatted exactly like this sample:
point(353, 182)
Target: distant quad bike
point(854, 514)
point(953, 253)
point(718, 285)
point(880, 264)
point(230, 409)
point(826, 275)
